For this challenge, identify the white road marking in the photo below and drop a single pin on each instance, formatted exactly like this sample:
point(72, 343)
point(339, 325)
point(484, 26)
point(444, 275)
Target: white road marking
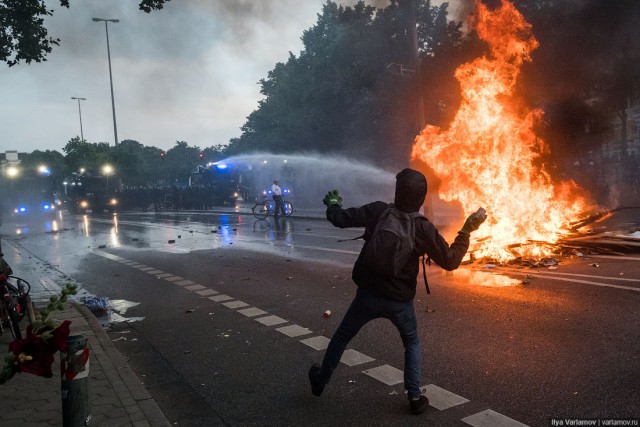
point(620, 258)
point(206, 292)
point(386, 374)
point(590, 276)
point(586, 282)
point(195, 287)
point(294, 330)
point(490, 418)
point(252, 311)
point(271, 320)
point(235, 304)
point(316, 343)
point(221, 297)
point(352, 358)
point(440, 398)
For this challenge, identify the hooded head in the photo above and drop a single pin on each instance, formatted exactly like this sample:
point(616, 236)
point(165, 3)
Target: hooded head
point(411, 189)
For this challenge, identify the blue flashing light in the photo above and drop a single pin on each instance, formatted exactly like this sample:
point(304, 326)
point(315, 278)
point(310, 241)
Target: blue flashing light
point(221, 166)
point(46, 206)
point(22, 209)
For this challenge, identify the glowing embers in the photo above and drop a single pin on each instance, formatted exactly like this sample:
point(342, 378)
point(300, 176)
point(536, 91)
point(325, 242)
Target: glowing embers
point(487, 157)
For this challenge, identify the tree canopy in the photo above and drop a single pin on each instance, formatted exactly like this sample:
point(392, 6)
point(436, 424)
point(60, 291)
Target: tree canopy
point(23, 35)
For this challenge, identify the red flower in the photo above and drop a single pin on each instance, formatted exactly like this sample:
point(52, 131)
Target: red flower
point(34, 355)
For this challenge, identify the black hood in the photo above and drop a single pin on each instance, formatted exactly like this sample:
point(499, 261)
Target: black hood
point(411, 189)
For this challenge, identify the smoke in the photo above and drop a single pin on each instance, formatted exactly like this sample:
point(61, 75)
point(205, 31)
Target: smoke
point(310, 176)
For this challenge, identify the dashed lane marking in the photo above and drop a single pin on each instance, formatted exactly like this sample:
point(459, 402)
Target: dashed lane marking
point(586, 282)
point(316, 343)
point(219, 298)
point(352, 357)
point(386, 374)
point(206, 292)
point(440, 398)
point(235, 304)
point(160, 275)
point(252, 312)
point(491, 418)
point(293, 330)
point(271, 320)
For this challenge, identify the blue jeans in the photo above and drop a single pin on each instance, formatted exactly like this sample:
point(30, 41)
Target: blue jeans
point(367, 306)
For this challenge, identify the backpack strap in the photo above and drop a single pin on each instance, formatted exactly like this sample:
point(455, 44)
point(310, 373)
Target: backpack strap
point(424, 272)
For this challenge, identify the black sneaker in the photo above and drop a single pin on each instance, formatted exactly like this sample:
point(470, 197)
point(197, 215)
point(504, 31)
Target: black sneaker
point(418, 404)
point(316, 387)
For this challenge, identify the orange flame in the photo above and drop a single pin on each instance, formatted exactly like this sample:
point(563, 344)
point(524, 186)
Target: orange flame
point(486, 157)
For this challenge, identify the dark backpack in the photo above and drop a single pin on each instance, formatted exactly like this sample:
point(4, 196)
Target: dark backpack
point(390, 245)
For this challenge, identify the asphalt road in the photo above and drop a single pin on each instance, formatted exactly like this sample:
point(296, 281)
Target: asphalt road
point(222, 315)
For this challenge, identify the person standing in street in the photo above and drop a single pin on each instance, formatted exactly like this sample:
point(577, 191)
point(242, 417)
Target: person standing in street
point(391, 295)
point(276, 192)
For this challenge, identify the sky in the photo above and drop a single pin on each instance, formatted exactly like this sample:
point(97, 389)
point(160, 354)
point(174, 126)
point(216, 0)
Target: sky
point(189, 72)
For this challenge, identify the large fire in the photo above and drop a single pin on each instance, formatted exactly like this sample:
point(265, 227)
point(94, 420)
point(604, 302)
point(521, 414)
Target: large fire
point(487, 155)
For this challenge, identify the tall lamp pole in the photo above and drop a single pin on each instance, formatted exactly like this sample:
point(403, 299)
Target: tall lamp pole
point(80, 113)
point(113, 105)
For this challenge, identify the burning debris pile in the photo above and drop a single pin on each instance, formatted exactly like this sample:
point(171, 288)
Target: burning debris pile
point(489, 156)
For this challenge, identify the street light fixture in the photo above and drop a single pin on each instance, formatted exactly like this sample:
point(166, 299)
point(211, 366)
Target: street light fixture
point(12, 171)
point(113, 105)
point(106, 170)
point(80, 112)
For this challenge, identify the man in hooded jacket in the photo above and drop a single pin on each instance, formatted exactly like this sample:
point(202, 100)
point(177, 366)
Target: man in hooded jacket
point(391, 296)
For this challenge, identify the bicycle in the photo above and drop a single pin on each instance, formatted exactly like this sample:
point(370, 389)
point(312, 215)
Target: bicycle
point(267, 207)
point(15, 303)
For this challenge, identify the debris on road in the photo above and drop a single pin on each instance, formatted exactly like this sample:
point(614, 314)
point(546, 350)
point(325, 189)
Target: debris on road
point(327, 314)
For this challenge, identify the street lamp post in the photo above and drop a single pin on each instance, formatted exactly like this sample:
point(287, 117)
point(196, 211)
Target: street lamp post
point(80, 113)
point(113, 105)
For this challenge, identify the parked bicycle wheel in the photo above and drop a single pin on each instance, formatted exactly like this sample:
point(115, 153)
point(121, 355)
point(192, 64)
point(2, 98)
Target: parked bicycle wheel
point(288, 209)
point(12, 322)
point(260, 210)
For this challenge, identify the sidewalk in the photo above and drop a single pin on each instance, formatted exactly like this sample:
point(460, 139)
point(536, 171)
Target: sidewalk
point(117, 397)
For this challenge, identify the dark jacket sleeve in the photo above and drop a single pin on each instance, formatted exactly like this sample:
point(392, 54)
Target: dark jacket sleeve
point(364, 216)
point(430, 241)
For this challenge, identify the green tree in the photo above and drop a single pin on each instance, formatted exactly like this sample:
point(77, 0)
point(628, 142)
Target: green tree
point(339, 95)
point(23, 35)
point(86, 155)
point(51, 159)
